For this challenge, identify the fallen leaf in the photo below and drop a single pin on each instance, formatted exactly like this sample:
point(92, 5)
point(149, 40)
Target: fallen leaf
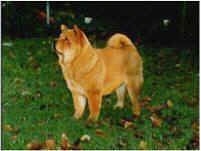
point(139, 134)
point(100, 132)
point(76, 145)
point(18, 80)
point(15, 130)
point(85, 137)
point(159, 145)
point(14, 137)
point(156, 108)
point(34, 145)
point(25, 93)
point(38, 94)
point(169, 103)
point(53, 84)
point(36, 66)
point(12, 129)
point(50, 144)
point(8, 128)
point(145, 101)
point(126, 124)
point(143, 145)
point(30, 59)
point(64, 142)
point(156, 121)
point(122, 143)
point(173, 129)
point(195, 127)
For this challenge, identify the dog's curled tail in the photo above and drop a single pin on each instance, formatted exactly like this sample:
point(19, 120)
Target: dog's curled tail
point(119, 41)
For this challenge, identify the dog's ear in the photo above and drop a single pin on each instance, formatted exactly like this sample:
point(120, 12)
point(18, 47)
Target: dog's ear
point(82, 39)
point(78, 32)
point(63, 27)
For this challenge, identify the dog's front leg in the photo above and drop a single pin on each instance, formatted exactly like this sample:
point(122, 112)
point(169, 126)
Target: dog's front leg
point(79, 105)
point(94, 102)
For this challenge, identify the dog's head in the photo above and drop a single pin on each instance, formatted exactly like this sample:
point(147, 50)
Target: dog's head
point(71, 42)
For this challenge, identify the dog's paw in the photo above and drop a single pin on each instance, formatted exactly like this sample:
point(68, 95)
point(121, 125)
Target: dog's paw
point(118, 106)
point(92, 119)
point(76, 116)
point(136, 113)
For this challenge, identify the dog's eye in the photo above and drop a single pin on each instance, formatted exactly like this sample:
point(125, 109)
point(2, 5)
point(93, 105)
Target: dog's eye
point(66, 39)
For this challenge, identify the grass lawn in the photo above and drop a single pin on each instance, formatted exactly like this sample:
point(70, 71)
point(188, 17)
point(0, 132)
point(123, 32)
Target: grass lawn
point(37, 105)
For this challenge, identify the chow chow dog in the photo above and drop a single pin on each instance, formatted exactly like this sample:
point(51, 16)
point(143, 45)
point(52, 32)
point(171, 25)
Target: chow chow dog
point(91, 73)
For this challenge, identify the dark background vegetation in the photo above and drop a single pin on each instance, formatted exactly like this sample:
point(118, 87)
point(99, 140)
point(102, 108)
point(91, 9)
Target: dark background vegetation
point(142, 21)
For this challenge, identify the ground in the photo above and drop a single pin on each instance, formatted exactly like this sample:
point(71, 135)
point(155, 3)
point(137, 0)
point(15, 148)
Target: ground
point(37, 105)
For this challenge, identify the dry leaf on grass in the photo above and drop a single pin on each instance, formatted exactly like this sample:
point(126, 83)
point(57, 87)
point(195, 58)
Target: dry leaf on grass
point(195, 127)
point(100, 132)
point(64, 142)
point(85, 137)
point(173, 129)
point(169, 103)
point(34, 145)
point(138, 134)
point(145, 101)
point(50, 144)
point(156, 121)
point(143, 145)
point(8, 128)
point(53, 84)
point(76, 145)
point(126, 123)
point(156, 108)
point(38, 94)
point(18, 80)
point(25, 93)
point(122, 142)
point(14, 138)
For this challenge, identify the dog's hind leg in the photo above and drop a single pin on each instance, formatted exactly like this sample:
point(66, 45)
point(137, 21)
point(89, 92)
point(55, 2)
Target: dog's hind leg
point(120, 96)
point(134, 84)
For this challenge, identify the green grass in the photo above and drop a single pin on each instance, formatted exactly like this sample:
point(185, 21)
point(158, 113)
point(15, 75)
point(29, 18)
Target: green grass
point(38, 104)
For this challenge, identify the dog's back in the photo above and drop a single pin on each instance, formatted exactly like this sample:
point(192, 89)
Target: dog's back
point(120, 57)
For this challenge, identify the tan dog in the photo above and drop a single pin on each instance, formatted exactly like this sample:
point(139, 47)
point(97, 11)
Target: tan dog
point(91, 73)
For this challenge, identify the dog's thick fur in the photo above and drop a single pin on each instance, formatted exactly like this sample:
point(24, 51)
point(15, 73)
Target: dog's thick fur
point(91, 73)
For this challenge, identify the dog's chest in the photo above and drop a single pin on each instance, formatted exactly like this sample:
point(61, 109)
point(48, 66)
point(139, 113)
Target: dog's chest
point(74, 86)
point(68, 75)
